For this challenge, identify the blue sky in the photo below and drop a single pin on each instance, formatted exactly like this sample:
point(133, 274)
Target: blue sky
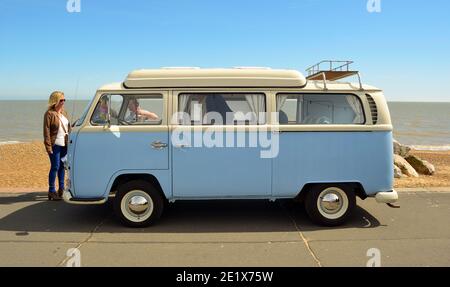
point(403, 50)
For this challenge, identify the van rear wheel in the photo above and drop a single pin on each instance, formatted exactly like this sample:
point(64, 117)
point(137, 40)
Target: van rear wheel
point(138, 204)
point(330, 205)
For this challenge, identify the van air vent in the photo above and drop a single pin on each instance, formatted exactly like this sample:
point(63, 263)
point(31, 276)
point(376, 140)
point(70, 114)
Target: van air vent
point(373, 109)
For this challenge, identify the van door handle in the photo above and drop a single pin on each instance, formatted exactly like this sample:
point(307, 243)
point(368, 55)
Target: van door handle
point(158, 145)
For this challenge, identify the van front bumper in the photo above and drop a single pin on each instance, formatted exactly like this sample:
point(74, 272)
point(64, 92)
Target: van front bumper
point(386, 197)
point(68, 198)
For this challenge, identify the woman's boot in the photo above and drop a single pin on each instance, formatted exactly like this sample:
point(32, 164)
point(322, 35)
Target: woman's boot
point(53, 196)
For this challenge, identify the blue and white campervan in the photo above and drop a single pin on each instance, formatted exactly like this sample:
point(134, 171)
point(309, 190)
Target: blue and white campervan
point(171, 134)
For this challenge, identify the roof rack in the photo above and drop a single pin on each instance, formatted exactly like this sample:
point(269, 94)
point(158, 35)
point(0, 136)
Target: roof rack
point(331, 70)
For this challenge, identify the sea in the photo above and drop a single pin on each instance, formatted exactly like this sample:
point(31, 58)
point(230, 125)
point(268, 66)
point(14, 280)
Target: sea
point(422, 125)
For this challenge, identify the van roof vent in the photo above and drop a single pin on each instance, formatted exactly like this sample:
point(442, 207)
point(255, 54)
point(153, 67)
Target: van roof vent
point(373, 109)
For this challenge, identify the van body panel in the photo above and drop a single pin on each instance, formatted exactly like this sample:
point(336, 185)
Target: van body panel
point(101, 154)
point(71, 155)
point(326, 157)
point(209, 172)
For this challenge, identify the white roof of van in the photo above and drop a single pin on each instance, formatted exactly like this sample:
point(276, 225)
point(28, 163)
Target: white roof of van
point(196, 77)
point(311, 86)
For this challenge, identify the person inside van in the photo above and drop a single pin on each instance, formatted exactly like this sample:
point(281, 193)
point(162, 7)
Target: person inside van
point(137, 114)
point(101, 112)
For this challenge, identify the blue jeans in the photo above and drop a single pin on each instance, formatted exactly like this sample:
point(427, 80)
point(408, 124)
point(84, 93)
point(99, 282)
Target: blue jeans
point(57, 167)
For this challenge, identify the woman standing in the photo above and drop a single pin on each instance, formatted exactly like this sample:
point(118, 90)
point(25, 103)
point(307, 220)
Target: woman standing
point(56, 135)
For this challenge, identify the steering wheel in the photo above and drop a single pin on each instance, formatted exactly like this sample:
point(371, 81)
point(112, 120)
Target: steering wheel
point(323, 120)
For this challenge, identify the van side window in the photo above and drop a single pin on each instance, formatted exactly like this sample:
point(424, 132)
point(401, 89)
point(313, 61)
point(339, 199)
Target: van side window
point(100, 115)
point(142, 110)
point(222, 109)
point(318, 109)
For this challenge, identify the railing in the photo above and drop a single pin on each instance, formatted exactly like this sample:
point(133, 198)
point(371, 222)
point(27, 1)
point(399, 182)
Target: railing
point(330, 65)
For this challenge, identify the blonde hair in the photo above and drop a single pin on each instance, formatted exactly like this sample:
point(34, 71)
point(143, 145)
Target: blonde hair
point(54, 99)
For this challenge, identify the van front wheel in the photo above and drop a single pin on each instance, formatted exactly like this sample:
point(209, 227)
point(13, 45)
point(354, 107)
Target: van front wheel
point(138, 204)
point(330, 205)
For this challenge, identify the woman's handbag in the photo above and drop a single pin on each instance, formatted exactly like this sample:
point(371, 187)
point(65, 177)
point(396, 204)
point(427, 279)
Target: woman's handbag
point(66, 134)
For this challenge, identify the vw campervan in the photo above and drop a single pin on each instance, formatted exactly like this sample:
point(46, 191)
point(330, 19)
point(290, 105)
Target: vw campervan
point(239, 133)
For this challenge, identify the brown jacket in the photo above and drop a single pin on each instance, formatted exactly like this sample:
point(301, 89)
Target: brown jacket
point(51, 126)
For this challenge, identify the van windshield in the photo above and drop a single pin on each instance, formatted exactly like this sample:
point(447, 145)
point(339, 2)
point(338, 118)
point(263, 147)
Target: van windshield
point(80, 120)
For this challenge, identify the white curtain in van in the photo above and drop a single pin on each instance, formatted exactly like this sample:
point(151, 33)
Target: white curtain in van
point(184, 105)
point(281, 99)
point(357, 109)
point(256, 103)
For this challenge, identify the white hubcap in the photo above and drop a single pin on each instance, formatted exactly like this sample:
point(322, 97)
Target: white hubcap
point(136, 206)
point(332, 203)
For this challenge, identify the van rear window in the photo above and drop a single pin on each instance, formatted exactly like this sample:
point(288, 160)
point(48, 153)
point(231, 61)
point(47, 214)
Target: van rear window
point(319, 109)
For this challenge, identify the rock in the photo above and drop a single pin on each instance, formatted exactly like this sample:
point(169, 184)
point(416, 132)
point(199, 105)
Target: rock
point(397, 172)
point(402, 150)
point(420, 165)
point(404, 166)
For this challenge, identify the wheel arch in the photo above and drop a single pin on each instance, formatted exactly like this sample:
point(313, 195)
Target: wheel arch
point(355, 186)
point(126, 177)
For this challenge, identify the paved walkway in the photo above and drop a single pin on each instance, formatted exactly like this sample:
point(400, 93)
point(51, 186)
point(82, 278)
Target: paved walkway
point(36, 232)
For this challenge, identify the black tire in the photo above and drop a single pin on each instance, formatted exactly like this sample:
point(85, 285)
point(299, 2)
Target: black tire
point(319, 214)
point(143, 189)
